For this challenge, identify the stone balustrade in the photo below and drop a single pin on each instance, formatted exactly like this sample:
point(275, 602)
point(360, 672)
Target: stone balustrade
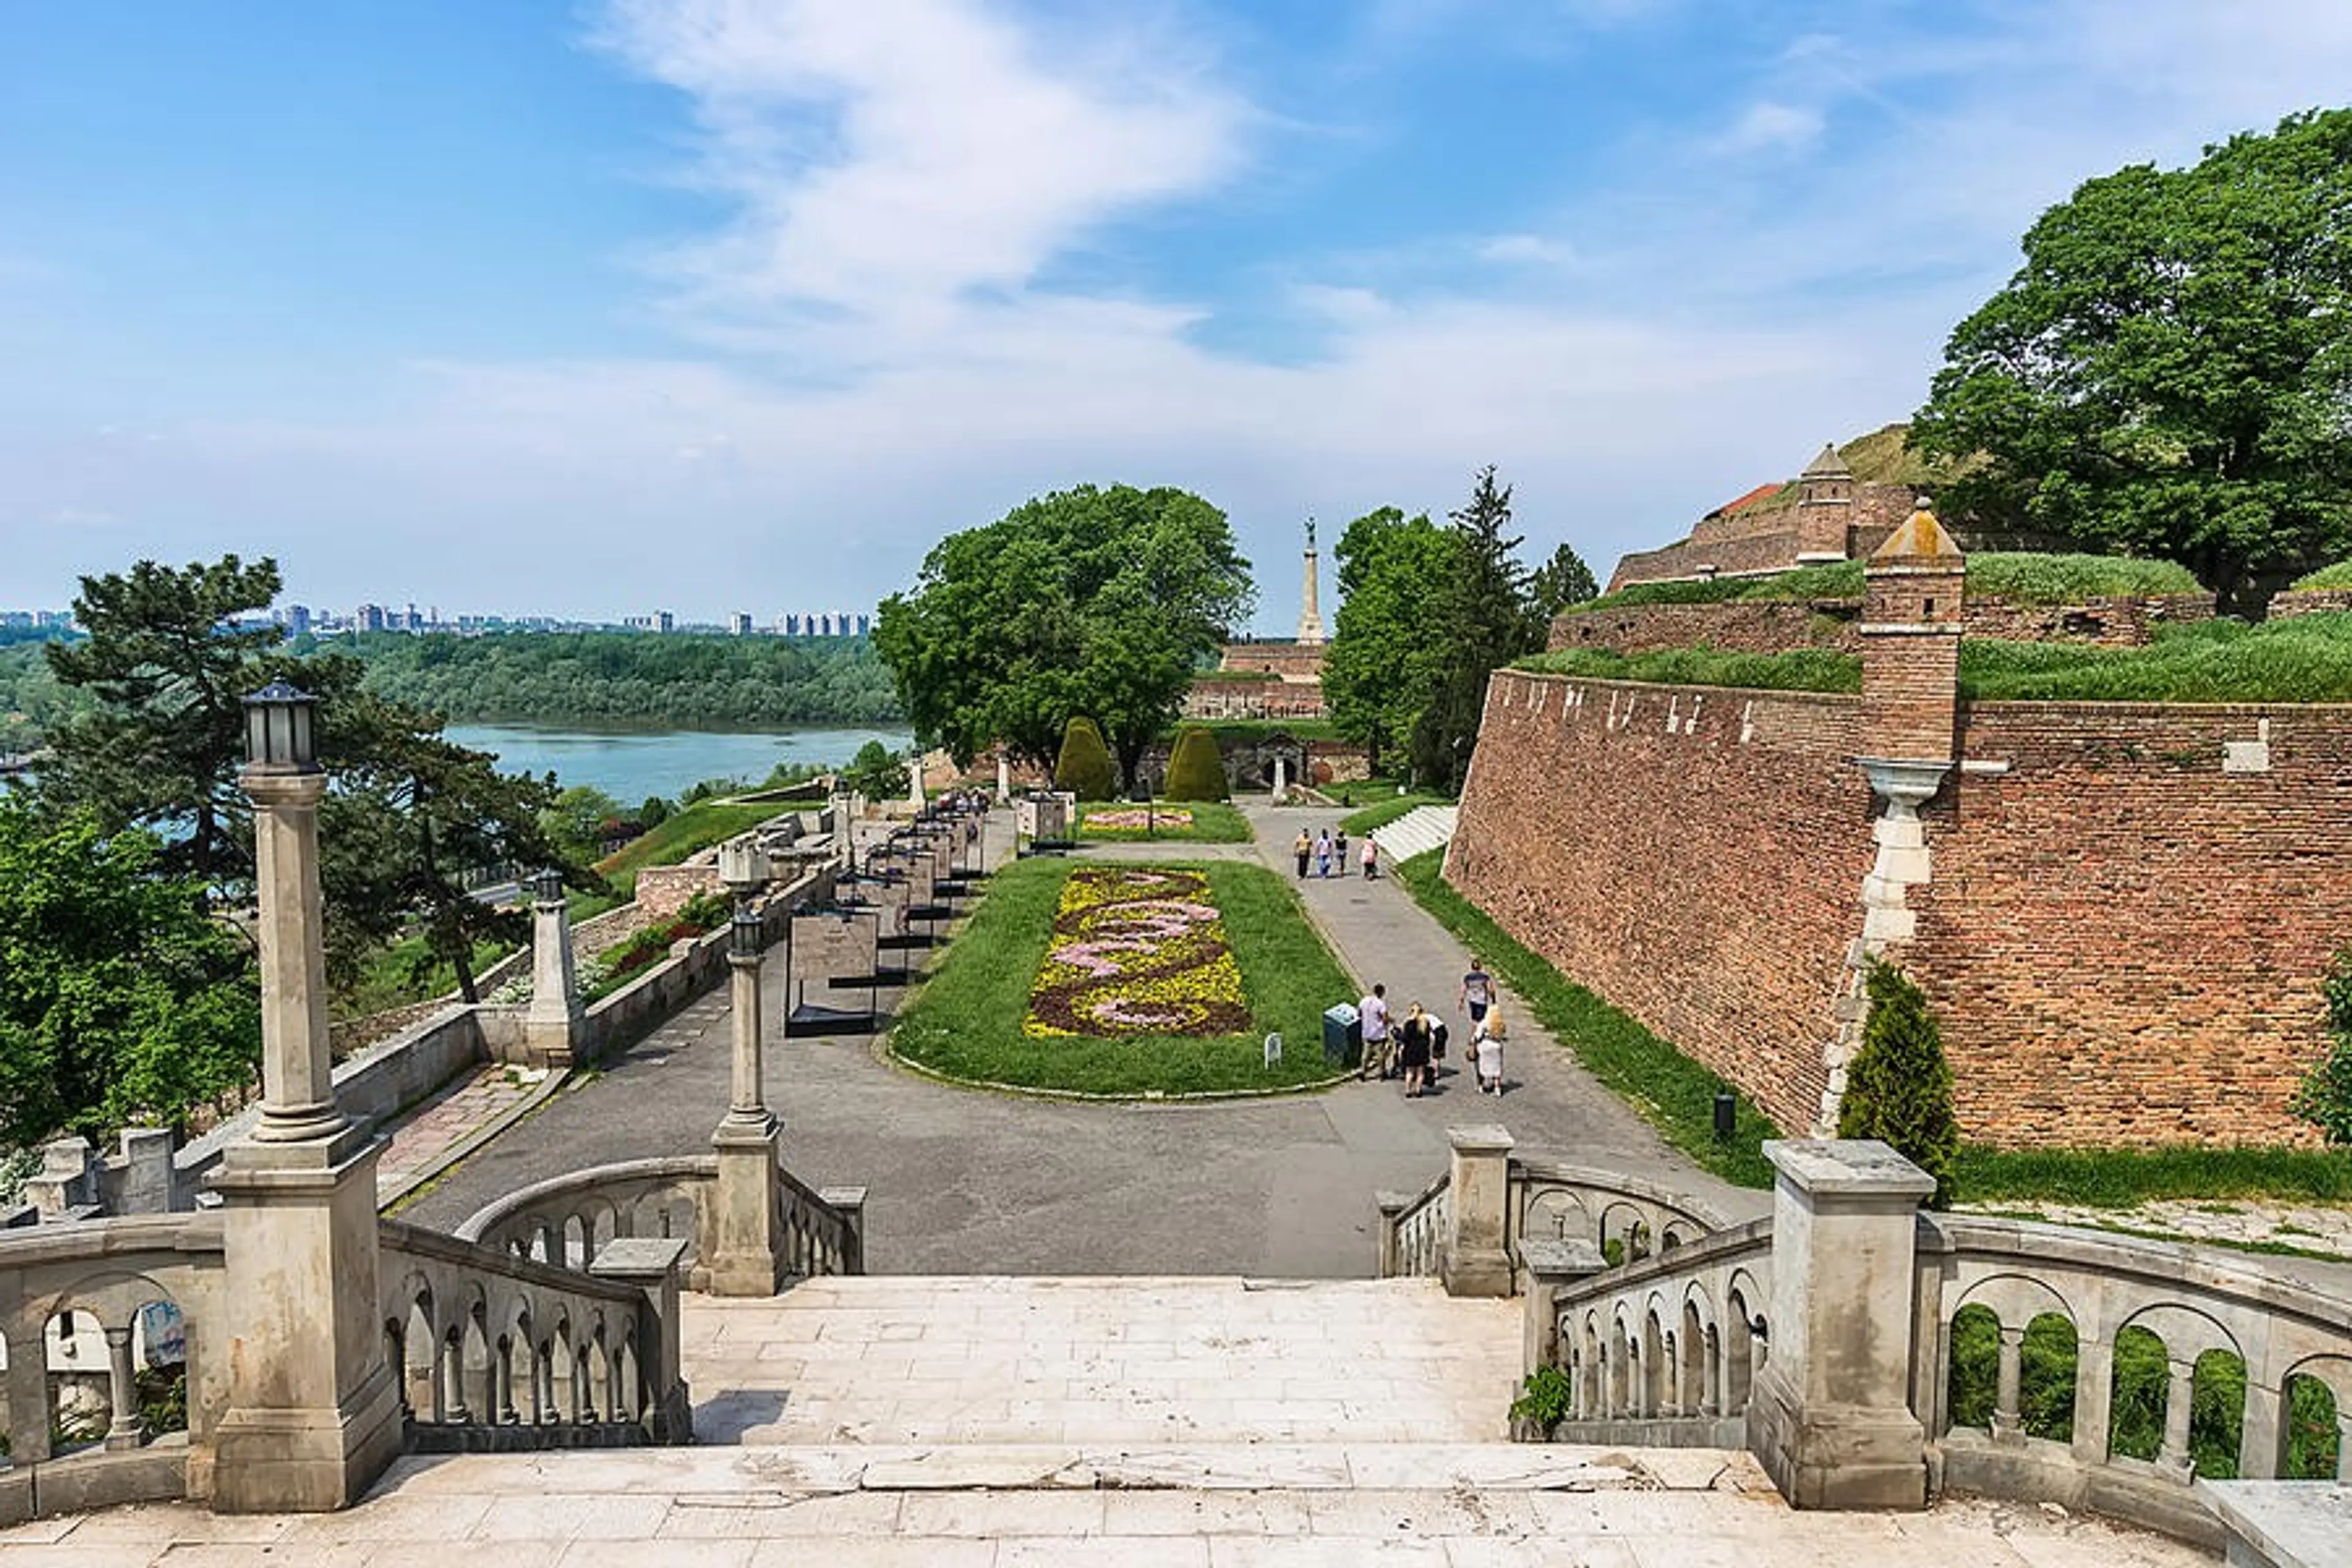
point(1413, 1228)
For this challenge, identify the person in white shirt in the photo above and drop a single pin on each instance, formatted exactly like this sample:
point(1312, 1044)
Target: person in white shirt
point(1373, 1010)
point(1487, 1050)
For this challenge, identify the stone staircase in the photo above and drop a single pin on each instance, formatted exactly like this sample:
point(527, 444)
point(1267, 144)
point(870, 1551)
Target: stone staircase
point(1423, 828)
point(1135, 1422)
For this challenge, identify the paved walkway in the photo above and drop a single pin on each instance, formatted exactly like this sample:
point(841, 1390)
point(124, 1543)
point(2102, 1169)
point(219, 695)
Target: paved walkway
point(966, 1181)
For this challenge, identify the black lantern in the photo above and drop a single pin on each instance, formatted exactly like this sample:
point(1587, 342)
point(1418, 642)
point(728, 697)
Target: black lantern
point(548, 885)
point(278, 729)
point(743, 933)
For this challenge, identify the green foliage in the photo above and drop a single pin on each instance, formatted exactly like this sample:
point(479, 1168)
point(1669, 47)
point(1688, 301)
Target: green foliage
point(2168, 371)
point(1898, 1088)
point(642, 949)
point(653, 812)
point(1798, 669)
point(2304, 658)
point(611, 677)
point(1481, 619)
point(1380, 669)
point(1196, 768)
point(966, 1021)
point(1545, 1397)
point(33, 701)
point(877, 772)
point(2022, 577)
point(693, 829)
point(2325, 1097)
point(2045, 1397)
point(574, 820)
point(119, 1001)
point(2122, 1178)
point(2339, 575)
point(1102, 602)
point(1671, 1093)
point(1830, 580)
point(1562, 581)
point(1084, 766)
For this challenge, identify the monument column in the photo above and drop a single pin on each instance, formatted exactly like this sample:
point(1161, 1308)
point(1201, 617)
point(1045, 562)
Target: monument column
point(313, 1414)
point(747, 1257)
point(1311, 616)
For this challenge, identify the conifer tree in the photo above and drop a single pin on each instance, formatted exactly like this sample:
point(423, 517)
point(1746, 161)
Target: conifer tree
point(1898, 1089)
point(1196, 768)
point(1482, 620)
point(1085, 766)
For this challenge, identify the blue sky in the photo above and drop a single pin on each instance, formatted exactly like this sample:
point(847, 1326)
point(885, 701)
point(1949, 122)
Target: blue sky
point(739, 304)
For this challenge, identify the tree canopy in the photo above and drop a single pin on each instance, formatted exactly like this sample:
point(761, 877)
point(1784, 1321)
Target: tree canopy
point(1562, 581)
point(1483, 619)
point(2168, 373)
point(1095, 600)
point(1380, 669)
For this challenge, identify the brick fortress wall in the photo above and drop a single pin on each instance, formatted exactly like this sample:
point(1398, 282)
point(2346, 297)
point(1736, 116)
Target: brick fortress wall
point(1765, 626)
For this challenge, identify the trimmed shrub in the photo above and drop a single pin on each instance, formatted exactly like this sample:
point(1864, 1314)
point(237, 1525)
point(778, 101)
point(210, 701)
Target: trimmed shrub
point(2325, 1099)
point(1899, 1086)
point(1196, 769)
point(1085, 766)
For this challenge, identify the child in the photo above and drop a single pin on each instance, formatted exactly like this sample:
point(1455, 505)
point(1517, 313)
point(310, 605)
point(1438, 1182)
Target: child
point(1487, 1048)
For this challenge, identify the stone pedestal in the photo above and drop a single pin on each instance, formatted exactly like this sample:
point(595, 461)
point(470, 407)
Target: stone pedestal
point(1550, 1265)
point(651, 1263)
point(552, 1026)
point(747, 1255)
point(1475, 1262)
point(1829, 1414)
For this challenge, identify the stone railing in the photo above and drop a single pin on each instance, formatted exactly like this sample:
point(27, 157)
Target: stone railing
point(493, 1350)
point(82, 1309)
point(1413, 1230)
point(571, 1218)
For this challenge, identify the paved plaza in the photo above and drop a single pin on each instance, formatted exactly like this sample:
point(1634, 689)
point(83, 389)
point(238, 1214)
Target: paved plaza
point(969, 1182)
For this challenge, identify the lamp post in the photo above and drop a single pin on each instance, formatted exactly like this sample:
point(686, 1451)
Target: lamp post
point(552, 1022)
point(747, 1255)
point(313, 1414)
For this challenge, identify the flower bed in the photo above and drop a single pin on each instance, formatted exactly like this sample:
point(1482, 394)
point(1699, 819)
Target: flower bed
point(1137, 952)
point(616, 966)
point(1137, 819)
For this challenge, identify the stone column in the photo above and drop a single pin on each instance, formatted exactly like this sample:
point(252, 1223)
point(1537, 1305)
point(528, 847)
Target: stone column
point(1281, 779)
point(2008, 1425)
point(552, 1026)
point(747, 1255)
point(1004, 778)
point(1551, 1267)
point(2174, 1458)
point(651, 1264)
point(128, 1429)
point(313, 1412)
point(1830, 1416)
point(1475, 1262)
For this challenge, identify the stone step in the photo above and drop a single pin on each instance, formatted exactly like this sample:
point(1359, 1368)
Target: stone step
point(1418, 831)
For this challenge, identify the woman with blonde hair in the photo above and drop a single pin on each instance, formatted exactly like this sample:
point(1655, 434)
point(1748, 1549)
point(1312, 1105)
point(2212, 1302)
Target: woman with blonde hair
point(1487, 1050)
point(1412, 1050)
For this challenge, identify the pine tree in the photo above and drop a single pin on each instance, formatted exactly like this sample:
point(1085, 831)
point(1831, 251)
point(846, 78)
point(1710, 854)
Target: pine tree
point(1483, 620)
point(1898, 1089)
point(1196, 768)
point(1085, 766)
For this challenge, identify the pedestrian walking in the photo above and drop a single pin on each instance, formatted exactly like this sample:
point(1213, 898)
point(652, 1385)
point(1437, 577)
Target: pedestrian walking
point(1340, 852)
point(1412, 1050)
point(1478, 992)
point(1371, 857)
point(1323, 854)
point(1302, 847)
point(1373, 1010)
point(1486, 1049)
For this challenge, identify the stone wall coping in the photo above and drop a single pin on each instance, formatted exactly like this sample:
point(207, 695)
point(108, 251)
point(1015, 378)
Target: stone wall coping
point(415, 1241)
point(841, 1198)
point(1730, 693)
point(1484, 1139)
point(2287, 1524)
point(668, 1167)
point(638, 1258)
point(35, 1245)
point(1847, 1167)
point(1753, 1239)
point(1567, 1256)
point(2181, 1268)
point(1550, 1168)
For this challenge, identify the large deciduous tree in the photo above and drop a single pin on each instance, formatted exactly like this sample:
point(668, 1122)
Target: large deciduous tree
point(1483, 620)
point(2169, 375)
point(1091, 601)
point(120, 1000)
point(1382, 667)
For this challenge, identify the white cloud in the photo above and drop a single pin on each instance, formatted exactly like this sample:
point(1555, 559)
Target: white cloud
point(1524, 250)
point(1769, 127)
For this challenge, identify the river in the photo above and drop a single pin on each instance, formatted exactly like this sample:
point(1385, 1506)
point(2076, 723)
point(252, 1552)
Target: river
point(631, 764)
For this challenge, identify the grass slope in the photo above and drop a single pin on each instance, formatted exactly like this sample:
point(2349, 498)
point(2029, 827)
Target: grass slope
point(2304, 658)
point(1213, 822)
point(966, 1020)
point(1800, 670)
point(2021, 577)
point(2339, 575)
point(687, 831)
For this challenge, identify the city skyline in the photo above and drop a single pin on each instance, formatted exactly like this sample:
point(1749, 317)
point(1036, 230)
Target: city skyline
point(645, 302)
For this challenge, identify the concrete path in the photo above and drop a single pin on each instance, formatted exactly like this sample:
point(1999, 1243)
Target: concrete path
point(965, 1182)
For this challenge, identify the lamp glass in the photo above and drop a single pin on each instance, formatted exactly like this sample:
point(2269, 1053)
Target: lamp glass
point(279, 728)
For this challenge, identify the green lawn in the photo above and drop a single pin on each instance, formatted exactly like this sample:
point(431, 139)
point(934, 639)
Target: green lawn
point(688, 832)
point(1213, 822)
point(965, 1021)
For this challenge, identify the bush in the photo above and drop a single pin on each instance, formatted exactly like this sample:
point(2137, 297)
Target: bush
point(1899, 1086)
point(1196, 769)
point(875, 773)
point(2337, 576)
point(1085, 767)
point(2325, 1099)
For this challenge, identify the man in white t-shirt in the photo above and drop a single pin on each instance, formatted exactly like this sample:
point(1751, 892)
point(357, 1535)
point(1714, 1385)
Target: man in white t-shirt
point(1373, 1010)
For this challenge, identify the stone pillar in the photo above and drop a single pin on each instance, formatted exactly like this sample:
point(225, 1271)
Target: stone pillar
point(1551, 1265)
point(128, 1429)
point(2095, 1371)
point(313, 1412)
point(1476, 1263)
point(552, 1026)
point(1004, 778)
point(747, 1255)
point(850, 1203)
point(2008, 1426)
point(1310, 614)
point(2173, 1459)
point(843, 814)
point(651, 1264)
point(1281, 778)
point(1830, 1416)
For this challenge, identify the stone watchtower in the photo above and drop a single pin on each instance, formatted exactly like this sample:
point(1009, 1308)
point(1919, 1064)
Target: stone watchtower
point(1825, 510)
point(1908, 739)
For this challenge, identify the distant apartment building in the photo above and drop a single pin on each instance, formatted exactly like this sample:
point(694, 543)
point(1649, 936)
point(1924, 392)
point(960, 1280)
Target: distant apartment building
point(369, 618)
point(739, 623)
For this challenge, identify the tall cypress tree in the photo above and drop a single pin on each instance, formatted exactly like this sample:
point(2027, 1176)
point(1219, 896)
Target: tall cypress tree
point(1898, 1089)
point(1482, 619)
